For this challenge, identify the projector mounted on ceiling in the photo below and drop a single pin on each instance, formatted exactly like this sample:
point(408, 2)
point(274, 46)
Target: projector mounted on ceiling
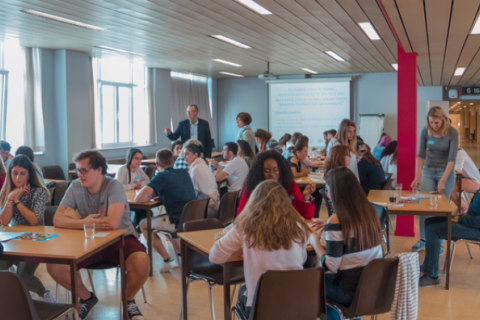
point(267, 75)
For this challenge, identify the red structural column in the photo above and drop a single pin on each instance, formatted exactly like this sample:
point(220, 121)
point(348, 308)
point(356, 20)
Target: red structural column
point(407, 131)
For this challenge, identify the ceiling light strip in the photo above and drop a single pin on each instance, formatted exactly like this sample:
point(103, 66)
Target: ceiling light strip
point(334, 55)
point(459, 71)
point(231, 74)
point(310, 71)
point(369, 30)
point(60, 19)
point(252, 5)
point(230, 41)
point(120, 50)
point(227, 62)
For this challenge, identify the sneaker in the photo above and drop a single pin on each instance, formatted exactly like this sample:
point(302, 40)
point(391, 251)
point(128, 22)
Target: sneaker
point(441, 250)
point(133, 311)
point(48, 297)
point(87, 305)
point(426, 281)
point(419, 245)
point(170, 264)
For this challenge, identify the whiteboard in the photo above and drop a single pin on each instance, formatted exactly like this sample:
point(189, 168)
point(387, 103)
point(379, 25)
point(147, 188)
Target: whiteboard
point(371, 128)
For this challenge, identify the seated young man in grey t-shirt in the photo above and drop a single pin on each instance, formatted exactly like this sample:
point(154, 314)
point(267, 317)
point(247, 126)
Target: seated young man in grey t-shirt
point(95, 198)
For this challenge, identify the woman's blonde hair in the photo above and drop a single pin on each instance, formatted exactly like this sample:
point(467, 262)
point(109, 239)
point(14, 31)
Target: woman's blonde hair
point(2, 167)
point(190, 141)
point(341, 135)
point(437, 112)
point(269, 220)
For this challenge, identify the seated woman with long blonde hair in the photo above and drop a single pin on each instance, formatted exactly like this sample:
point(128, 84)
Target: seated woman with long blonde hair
point(270, 234)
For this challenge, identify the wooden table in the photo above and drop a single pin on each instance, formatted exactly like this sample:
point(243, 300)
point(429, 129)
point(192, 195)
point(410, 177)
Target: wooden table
point(54, 180)
point(216, 155)
point(202, 242)
point(147, 206)
point(443, 209)
point(317, 178)
point(69, 248)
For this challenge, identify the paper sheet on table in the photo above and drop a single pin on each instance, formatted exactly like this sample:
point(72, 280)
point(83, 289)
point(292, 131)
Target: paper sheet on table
point(101, 234)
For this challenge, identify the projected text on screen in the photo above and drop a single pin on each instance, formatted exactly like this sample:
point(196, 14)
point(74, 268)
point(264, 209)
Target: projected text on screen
point(309, 108)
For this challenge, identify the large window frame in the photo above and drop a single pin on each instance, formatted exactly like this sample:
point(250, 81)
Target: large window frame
point(3, 102)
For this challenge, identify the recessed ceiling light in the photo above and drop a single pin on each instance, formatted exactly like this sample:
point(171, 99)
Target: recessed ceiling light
point(308, 70)
point(227, 62)
point(231, 41)
point(254, 6)
point(369, 30)
point(476, 27)
point(334, 55)
point(471, 103)
point(120, 50)
point(395, 66)
point(60, 19)
point(232, 74)
point(459, 71)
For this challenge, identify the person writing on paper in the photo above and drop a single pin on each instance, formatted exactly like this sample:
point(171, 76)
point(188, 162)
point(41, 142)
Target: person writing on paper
point(270, 234)
point(193, 128)
point(130, 174)
point(435, 169)
point(22, 202)
point(99, 200)
point(270, 165)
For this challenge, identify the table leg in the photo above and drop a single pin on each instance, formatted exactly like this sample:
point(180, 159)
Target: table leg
point(227, 305)
point(449, 243)
point(123, 279)
point(185, 271)
point(150, 239)
point(73, 282)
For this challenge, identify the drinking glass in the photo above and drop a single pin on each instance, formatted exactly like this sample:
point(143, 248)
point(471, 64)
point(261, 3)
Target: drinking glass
point(398, 188)
point(433, 201)
point(392, 197)
point(89, 231)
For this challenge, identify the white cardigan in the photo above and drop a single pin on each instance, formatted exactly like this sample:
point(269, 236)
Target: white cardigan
point(122, 176)
point(204, 182)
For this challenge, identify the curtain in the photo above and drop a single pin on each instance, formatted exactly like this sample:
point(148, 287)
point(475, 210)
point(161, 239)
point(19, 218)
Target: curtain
point(34, 133)
point(152, 134)
point(186, 90)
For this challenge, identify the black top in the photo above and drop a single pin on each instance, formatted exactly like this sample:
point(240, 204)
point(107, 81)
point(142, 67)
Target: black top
point(298, 166)
point(371, 176)
point(203, 133)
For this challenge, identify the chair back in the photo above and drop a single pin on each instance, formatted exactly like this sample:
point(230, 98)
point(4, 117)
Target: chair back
point(375, 290)
point(193, 210)
point(15, 300)
point(388, 181)
point(328, 202)
point(49, 214)
point(197, 262)
point(227, 209)
point(150, 171)
point(60, 190)
point(53, 172)
point(291, 294)
point(383, 215)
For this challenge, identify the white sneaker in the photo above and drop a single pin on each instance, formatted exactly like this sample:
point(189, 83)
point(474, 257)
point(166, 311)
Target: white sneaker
point(170, 264)
point(48, 297)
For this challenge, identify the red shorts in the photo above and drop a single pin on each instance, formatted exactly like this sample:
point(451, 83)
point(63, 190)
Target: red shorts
point(110, 254)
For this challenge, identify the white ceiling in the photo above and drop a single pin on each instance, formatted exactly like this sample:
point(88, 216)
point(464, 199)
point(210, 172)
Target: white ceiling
point(174, 34)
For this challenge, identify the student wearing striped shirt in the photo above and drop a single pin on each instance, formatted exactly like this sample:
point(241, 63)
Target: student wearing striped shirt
point(346, 257)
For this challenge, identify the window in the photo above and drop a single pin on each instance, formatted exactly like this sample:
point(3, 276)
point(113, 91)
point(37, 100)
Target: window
point(122, 113)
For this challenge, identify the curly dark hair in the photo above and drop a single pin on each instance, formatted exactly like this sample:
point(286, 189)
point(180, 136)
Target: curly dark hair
point(255, 175)
point(96, 158)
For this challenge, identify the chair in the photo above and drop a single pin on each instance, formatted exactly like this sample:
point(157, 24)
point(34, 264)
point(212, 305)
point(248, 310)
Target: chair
point(328, 202)
point(388, 181)
point(286, 295)
point(16, 302)
point(60, 190)
point(49, 214)
point(383, 215)
point(227, 209)
point(51, 192)
point(53, 172)
point(375, 291)
point(454, 245)
point(201, 269)
point(193, 210)
point(150, 171)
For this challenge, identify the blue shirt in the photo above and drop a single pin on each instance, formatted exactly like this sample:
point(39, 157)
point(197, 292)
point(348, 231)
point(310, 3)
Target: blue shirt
point(175, 189)
point(194, 130)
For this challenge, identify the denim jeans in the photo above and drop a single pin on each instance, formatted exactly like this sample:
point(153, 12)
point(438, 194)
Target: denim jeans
point(334, 290)
point(436, 230)
point(26, 271)
point(430, 179)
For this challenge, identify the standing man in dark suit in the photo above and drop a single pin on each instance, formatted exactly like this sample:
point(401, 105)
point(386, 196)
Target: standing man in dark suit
point(193, 128)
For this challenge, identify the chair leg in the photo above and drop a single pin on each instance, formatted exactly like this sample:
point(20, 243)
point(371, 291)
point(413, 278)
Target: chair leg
point(233, 293)
point(391, 223)
point(469, 251)
point(211, 301)
point(56, 293)
point(144, 296)
point(181, 310)
point(453, 255)
point(89, 272)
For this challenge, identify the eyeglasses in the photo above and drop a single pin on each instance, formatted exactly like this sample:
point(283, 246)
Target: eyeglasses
point(82, 170)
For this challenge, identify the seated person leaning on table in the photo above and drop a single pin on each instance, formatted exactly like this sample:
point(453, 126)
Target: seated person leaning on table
point(95, 198)
point(23, 200)
point(299, 153)
point(236, 170)
point(175, 189)
point(271, 165)
point(270, 234)
point(131, 175)
point(347, 256)
point(464, 226)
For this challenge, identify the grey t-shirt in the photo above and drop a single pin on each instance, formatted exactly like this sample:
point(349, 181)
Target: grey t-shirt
point(112, 191)
point(441, 151)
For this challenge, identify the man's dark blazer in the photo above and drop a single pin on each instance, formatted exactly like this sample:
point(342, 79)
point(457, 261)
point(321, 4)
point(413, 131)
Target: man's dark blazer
point(203, 132)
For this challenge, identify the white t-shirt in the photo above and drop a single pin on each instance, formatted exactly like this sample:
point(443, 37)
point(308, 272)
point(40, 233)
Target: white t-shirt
point(466, 165)
point(237, 171)
point(388, 167)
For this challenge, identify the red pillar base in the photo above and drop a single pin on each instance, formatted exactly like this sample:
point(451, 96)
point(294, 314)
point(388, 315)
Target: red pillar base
point(403, 226)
